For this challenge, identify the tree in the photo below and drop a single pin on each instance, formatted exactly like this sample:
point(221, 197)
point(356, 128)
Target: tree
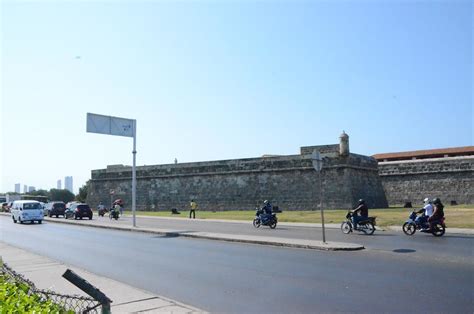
point(39, 192)
point(61, 195)
point(82, 196)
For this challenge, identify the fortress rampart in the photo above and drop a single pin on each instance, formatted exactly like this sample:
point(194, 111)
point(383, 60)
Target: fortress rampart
point(449, 178)
point(239, 184)
point(292, 183)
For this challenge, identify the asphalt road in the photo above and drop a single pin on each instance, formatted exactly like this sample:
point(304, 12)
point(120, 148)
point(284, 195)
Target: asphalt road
point(395, 273)
point(451, 246)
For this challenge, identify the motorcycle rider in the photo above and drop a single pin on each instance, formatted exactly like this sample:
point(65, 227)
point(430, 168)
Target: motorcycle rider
point(101, 208)
point(426, 211)
point(360, 213)
point(438, 213)
point(267, 211)
point(116, 209)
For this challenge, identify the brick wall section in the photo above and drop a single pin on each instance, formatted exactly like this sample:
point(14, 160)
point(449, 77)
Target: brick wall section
point(241, 184)
point(451, 179)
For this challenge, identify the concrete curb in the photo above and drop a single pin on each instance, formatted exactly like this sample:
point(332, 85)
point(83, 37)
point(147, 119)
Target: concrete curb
point(294, 243)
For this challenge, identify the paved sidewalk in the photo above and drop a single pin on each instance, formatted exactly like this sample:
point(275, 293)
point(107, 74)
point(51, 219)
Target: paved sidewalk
point(46, 273)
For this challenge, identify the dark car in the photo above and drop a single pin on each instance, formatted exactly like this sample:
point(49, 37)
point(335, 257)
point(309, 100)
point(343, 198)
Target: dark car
point(54, 209)
point(78, 211)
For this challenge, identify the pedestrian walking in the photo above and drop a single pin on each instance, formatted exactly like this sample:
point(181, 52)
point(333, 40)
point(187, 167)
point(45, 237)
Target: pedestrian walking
point(194, 206)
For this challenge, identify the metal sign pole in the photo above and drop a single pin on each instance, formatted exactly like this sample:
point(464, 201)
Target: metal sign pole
point(321, 204)
point(134, 176)
point(111, 192)
point(318, 166)
point(109, 125)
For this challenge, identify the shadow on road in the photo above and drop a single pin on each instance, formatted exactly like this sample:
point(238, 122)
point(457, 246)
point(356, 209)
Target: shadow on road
point(383, 235)
point(168, 235)
point(404, 251)
point(271, 230)
point(27, 223)
point(371, 235)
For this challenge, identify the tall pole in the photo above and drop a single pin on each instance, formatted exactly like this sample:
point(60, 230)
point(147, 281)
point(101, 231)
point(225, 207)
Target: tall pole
point(134, 175)
point(97, 123)
point(317, 161)
point(321, 204)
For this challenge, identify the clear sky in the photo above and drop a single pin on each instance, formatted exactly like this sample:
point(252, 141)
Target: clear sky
point(211, 80)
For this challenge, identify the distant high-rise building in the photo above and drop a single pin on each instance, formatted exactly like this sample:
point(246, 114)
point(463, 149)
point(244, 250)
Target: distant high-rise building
point(59, 184)
point(25, 188)
point(17, 187)
point(31, 189)
point(68, 183)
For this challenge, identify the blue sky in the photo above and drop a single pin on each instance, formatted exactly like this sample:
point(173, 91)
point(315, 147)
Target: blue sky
point(211, 80)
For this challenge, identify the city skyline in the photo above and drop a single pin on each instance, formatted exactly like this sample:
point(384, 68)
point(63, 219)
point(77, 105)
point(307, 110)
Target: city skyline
point(29, 188)
point(68, 183)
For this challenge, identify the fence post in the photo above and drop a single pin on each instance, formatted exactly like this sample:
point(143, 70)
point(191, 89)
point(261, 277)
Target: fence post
point(85, 286)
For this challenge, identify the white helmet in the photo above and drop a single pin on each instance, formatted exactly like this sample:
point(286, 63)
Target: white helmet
point(427, 200)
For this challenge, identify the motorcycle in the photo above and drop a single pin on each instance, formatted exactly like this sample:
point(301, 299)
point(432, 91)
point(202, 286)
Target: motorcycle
point(113, 214)
point(411, 225)
point(367, 225)
point(264, 219)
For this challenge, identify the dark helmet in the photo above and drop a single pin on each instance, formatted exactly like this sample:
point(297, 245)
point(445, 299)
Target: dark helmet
point(266, 202)
point(361, 201)
point(436, 201)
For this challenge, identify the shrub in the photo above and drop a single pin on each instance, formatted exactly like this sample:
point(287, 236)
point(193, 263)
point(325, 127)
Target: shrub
point(14, 298)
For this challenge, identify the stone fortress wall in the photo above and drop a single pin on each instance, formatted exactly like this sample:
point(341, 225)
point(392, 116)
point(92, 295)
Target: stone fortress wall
point(240, 184)
point(292, 183)
point(449, 178)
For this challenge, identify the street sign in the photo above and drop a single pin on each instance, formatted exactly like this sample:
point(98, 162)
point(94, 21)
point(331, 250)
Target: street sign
point(317, 160)
point(97, 123)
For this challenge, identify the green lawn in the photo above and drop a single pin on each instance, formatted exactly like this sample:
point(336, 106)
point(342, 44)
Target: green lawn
point(456, 216)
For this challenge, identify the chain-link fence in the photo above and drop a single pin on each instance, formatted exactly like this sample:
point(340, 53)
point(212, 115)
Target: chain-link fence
point(76, 303)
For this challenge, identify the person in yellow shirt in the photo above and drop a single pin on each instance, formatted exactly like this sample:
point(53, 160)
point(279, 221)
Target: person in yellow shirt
point(194, 206)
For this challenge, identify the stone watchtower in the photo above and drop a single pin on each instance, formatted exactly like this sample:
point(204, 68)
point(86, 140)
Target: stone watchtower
point(344, 144)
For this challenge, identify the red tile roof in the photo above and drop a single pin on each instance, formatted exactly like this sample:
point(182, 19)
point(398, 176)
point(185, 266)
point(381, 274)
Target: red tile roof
point(430, 153)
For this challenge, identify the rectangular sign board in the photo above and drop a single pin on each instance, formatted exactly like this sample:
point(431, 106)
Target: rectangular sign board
point(97, 123)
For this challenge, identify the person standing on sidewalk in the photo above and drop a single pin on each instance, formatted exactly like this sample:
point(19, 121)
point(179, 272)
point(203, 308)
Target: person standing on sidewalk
point(194, 206)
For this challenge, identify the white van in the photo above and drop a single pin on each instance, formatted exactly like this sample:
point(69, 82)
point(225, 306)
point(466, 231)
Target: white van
point(27, 211)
